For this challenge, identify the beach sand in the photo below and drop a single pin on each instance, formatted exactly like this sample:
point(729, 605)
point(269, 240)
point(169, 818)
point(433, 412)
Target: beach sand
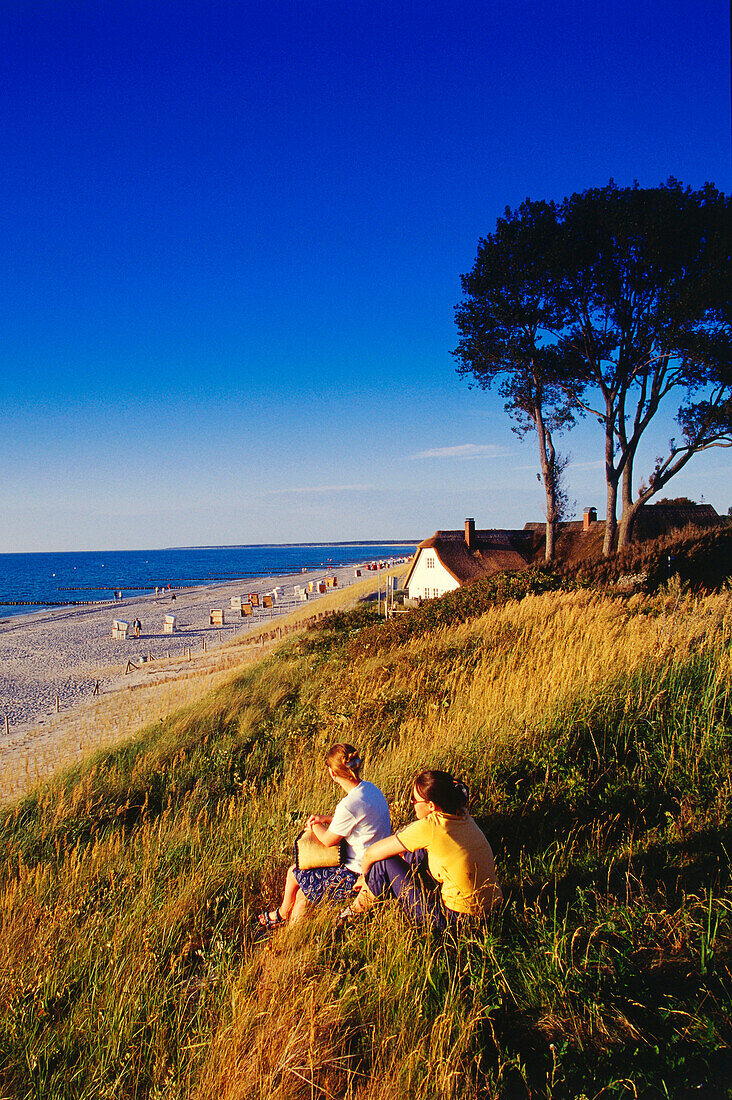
point(66, 685)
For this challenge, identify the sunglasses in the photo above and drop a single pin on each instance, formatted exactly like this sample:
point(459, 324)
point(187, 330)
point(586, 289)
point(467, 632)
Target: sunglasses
point(416, 801)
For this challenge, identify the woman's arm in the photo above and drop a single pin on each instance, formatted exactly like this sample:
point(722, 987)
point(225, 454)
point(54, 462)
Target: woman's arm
point(317, 819)
point(324, 835)
point(381, 849)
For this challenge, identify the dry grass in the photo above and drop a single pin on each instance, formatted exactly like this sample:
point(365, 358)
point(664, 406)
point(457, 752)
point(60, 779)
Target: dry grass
point(595, 735)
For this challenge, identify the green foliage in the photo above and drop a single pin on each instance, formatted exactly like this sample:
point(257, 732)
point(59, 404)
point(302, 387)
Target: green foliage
point(611, 302)
point(459, 606)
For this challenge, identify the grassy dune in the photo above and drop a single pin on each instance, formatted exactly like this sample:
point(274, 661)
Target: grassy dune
point(594, 733)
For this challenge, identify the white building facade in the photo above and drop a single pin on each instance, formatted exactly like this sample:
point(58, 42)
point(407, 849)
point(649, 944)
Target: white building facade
point(429, 578)
point(450, 559)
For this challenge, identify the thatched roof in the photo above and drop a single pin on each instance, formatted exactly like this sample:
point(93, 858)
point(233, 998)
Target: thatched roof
point(652, 520)
point(494, 551)
point(658, 519)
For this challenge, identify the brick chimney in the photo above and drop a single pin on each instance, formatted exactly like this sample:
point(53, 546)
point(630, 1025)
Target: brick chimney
point(470, 534)
point(588, 518)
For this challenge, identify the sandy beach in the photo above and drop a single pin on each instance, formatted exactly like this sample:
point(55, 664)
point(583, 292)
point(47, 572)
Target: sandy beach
point(57, 659)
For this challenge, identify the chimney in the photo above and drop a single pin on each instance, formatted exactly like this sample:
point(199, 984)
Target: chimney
point(470, 534)
point(589, 517)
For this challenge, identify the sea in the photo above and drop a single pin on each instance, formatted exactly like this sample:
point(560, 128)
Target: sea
point(34, 582)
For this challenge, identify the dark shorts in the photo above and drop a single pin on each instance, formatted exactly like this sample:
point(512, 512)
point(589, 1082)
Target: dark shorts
point(325, 883)
point(407, 878)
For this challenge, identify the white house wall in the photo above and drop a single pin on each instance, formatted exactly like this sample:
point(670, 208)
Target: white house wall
point(430, 578)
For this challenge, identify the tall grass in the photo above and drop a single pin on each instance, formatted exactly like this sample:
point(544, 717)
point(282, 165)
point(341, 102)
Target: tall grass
point(595, 736)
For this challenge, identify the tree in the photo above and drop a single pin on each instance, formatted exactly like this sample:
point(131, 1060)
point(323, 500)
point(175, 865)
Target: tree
point(646, 285)
point(634, 289)
point(508, 321)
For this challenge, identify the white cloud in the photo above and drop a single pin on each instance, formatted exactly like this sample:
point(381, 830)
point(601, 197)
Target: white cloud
point(464, 450)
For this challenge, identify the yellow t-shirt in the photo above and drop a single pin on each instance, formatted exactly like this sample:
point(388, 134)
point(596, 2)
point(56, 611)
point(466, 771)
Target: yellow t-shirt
point(459, 857)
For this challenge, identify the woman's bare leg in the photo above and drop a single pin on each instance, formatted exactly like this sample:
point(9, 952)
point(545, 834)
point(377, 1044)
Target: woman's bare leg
point(300, 908)
point(364, 901)
point(290, 895)
point(284, 910)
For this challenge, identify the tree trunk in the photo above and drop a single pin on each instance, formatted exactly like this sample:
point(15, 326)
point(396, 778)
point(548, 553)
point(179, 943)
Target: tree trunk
point(611, 478)
point(627, 520)
point(629, 509)
point(611, 522)
point(548, 473)
point(547, 458)
point(551, 531)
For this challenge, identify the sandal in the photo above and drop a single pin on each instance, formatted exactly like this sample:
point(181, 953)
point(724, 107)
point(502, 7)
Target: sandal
point(264, 924)
point(269, 922)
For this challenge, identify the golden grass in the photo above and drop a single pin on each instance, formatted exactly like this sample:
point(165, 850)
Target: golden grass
point(175, 1002)
point(491, 682)
point(535, 652)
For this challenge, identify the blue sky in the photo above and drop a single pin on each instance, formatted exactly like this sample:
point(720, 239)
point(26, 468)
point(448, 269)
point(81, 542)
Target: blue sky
point(231, 238)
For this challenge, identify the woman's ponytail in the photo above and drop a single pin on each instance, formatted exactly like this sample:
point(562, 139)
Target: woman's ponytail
point(449, 794)
point(344, 761)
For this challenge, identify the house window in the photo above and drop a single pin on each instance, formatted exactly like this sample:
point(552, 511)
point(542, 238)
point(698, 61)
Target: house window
point(430, 563)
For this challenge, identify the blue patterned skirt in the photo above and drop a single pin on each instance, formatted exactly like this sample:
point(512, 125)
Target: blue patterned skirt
point(325, 883)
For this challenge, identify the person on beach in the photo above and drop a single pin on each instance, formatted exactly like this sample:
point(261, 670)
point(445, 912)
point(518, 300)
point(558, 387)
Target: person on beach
point(360, 818)
point(138, 627)
point(440, 868)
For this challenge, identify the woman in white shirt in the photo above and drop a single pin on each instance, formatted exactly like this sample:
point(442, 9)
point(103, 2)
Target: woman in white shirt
point(361, 818)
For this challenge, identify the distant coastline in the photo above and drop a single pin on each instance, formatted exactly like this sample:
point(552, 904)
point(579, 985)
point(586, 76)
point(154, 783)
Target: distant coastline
point(73, 578)
point(266, 545)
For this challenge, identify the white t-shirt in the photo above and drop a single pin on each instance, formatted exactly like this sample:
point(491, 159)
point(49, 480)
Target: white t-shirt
point(361, 817)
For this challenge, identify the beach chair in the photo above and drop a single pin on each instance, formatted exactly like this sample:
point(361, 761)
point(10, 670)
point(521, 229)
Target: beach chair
point(254, 599)
point(216, 616)
point(236, 602)
point(267, 601)
point(169, 624)
point(246, 609)
point(120, 629)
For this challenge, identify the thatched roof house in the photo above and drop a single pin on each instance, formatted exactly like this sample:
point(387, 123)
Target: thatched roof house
point(671, 515)
point(449, 559)
point(651, 521)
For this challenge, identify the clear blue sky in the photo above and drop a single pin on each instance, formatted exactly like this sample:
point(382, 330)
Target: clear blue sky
point(231, 236)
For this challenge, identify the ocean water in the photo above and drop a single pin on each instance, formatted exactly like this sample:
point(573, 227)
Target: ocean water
point(30, 582)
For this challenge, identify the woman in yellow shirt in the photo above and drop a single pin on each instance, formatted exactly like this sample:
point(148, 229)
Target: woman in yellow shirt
point(440, 867)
